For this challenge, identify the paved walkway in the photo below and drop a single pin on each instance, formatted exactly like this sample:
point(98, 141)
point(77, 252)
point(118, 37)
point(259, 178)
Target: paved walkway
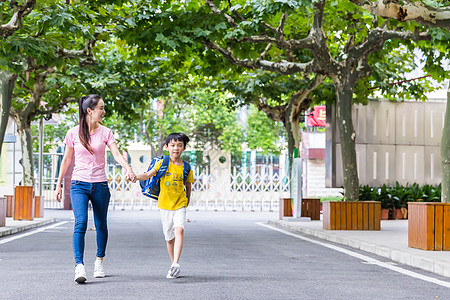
point(390, 242)
point(18, 226)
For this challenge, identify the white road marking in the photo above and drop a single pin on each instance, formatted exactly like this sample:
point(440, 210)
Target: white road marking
point(367, 259)
point(19, 236)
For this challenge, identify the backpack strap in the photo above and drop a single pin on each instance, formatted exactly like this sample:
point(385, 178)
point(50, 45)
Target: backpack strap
point(164, 166)
point(186, 171)
point(155, 183)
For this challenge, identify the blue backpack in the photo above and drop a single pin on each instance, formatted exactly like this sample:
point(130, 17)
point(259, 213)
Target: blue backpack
point(151, 187)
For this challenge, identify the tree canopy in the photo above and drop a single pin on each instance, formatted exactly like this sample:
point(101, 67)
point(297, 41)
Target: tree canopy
point(308, 41)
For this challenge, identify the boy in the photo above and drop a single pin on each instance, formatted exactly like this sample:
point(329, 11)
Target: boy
point(173, 198)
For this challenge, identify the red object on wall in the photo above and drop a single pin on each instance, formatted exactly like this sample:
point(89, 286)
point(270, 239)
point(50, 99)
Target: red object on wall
point(313, 145)
point(318, 117)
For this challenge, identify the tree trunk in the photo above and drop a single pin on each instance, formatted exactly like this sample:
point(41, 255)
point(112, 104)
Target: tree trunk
point(7, 83)
point(348, 136)
point(26, 141)
point(408, 10)
point(445, 154)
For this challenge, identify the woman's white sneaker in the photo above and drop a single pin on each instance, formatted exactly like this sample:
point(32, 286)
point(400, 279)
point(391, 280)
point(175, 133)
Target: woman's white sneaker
point(80, 273)
point(99, 272)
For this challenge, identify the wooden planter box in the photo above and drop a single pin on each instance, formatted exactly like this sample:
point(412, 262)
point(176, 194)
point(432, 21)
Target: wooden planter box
point(311, 208)
point(2, 211)
point(285, 207)
point(429, 225)
point(9, 206)
point(38, 206)
point(23, 204)
point(352, 215)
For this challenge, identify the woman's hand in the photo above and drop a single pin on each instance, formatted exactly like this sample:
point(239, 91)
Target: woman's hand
point(121, 160)
point(58, 192)
point(131, 176)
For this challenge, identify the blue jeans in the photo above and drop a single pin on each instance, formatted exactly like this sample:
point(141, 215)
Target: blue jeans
point(80, 194)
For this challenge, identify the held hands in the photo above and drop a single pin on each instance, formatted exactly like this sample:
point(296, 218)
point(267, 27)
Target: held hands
point(131, 176)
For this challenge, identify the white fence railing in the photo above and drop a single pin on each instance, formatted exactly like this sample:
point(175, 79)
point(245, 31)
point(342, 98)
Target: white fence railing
point(212, 190)
point(219, 189)
point(48, 191)
point(216, 190)
point(49, 178)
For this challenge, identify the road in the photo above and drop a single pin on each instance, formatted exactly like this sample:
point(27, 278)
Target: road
point(227, 255)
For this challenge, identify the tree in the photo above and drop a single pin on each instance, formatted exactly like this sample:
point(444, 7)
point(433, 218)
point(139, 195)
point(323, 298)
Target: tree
point(38, 94)
point(283, 98)
point(151, 97)
point(212, 123)
point(431, 16)
point(138, 93)
point(186, 23)
point(48, 63)
point(346, 67)
point(7, 83)
point(263, 133)
point(334, 40)
point(16, 13)
point(417, 11)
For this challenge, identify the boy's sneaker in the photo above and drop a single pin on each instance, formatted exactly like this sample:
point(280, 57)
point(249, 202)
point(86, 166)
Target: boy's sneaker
point(80, 273)
point(99, 272)
point(168, 275)
point(174, 270)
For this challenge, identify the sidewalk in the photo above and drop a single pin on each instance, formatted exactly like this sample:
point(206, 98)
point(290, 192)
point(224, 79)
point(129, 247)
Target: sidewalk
point(390, 242)
point(18, 226)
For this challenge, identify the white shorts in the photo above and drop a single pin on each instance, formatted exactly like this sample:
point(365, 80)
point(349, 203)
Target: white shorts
point(171, 219)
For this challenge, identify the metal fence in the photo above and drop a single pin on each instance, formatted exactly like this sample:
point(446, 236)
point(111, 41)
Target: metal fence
point(211, 190)
point(218, 189)
point(49, 178)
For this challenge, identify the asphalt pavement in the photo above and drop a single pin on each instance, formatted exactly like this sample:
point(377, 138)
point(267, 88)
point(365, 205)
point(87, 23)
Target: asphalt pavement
point(390, 242)
point(227, 255)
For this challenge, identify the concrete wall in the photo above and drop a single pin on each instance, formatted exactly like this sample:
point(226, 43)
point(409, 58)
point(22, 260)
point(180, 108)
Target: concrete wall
point(395, 141)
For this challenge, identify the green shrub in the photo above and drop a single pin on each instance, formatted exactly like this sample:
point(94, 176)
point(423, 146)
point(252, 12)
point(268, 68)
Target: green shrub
point(399, 196)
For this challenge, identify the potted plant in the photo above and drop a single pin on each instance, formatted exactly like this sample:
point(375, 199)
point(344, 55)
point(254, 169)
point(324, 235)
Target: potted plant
point(400, 196)
point(383, 195)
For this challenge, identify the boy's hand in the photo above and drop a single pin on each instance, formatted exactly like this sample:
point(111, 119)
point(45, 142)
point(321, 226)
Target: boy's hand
point(143, 176)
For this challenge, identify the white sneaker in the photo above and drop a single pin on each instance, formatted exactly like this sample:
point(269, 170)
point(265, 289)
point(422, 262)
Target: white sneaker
point(80, 273)
point(175, 270)
point(169, 276)
point(99, 272)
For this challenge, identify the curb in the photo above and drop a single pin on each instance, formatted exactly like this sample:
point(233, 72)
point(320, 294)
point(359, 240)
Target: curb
point(17, 229)
point(417, 261)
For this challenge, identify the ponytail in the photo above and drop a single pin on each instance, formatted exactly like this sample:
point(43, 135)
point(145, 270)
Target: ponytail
point(86, 102)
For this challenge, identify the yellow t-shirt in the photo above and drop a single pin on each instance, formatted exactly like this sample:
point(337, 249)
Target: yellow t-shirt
point(172, 195)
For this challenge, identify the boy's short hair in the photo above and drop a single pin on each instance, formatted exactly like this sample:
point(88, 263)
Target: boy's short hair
point(177, 136)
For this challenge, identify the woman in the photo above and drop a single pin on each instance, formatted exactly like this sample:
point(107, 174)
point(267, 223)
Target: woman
point(88, 141)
